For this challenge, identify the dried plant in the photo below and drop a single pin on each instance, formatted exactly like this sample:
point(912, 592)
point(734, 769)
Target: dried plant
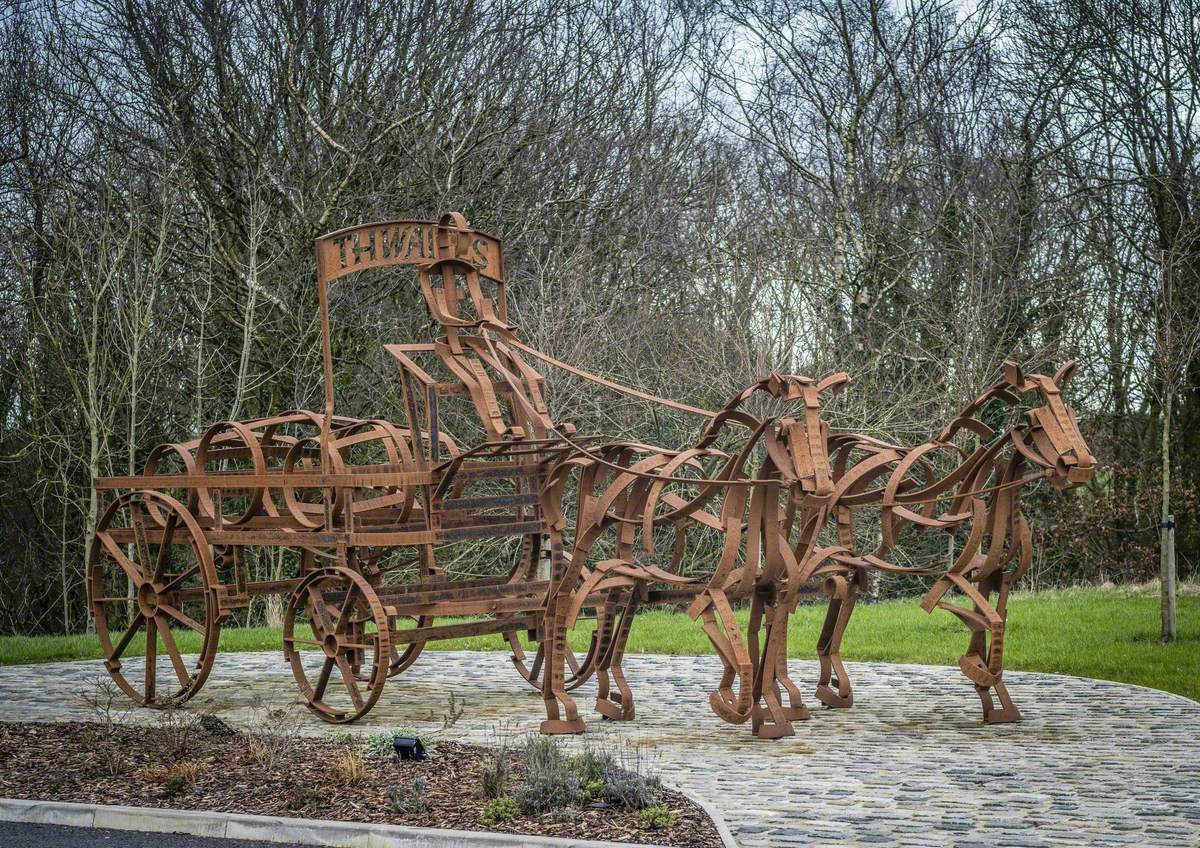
point(111, 710)
point(179, 731)
point(349, 767)
point(270, 734)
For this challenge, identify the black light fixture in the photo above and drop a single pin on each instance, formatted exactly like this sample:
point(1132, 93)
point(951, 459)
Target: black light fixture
point(408, 747)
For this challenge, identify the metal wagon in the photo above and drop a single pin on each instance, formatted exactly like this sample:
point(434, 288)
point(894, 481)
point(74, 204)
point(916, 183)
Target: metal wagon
point(169, 551)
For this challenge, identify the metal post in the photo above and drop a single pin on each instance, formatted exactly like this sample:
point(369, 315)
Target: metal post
point(1167, 575)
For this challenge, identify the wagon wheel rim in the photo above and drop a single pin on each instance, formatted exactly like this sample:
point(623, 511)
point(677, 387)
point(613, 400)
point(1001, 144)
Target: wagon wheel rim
point(345, 634)
point(148, 584)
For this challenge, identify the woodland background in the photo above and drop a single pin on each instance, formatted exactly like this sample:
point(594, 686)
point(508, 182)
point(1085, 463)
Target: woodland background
point(691, 194)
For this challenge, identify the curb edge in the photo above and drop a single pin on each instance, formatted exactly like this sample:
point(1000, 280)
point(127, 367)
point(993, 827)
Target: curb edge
point(269, 829)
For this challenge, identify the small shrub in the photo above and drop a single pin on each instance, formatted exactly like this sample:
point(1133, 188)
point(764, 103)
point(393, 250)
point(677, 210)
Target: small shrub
point(180, 778)
point(345, 739)
point(106, 700)
point(408, 800)
point(499, 810)
point(563, 815)
point(629, 789)
point(270, 736)
point(302, 797)
point(542, 754)
point(594, 789)
point(549, 782)
point(495, 776)
point(380, 745)
point(349, 767)
point(591, 764)
point(548, 789)
point(178, 730)
point(656, 818)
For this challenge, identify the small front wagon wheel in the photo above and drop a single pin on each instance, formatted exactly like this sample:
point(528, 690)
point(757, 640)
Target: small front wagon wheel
point(151, 579)
point(337, 641)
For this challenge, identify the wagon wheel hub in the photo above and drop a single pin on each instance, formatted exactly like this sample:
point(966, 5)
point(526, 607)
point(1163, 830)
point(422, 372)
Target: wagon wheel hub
point(147, 599)
point(330, 645)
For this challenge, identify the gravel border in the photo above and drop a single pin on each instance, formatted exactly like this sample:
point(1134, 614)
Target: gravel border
point(292, 830)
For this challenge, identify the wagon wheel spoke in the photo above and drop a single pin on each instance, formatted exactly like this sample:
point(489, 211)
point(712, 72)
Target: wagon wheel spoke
point(319, 612)
point(296, 640)
point(323, 679)
point(164, 630)
point(139, 535)
point(182, 617)
point(174, 582)
point(346, 612)
point(118, 556)
point(348, 679)
point(151, 657)
point(164, 547)
point(126, 637)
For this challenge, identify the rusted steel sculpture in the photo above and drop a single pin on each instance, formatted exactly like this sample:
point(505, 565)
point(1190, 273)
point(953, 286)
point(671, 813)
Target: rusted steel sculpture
point(966, 480)
point(171, 546)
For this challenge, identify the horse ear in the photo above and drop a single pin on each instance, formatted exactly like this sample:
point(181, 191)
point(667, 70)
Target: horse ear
point(1064, 374)
point(1013, 375)
point(833, 382)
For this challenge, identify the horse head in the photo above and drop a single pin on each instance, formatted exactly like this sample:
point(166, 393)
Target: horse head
point(1049, 437)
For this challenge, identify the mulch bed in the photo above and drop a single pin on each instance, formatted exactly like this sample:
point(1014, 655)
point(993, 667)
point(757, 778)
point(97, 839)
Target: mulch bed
point(124, 765)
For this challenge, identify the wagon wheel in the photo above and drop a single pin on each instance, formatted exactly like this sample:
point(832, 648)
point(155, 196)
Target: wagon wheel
point(350, 637)
point(157, 580)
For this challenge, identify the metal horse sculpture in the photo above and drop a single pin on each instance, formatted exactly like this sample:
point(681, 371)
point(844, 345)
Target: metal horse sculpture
point(976, 492)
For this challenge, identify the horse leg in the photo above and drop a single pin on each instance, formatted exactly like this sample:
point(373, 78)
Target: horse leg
point(833, 688)
point(795, 709)
point(554, 642)
point(554, 692)
point(769, 719)
point(618, 705)
point(716, 617)
point(983, 662)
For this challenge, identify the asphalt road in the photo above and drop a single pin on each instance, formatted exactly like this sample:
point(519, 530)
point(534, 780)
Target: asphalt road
point(16, 835)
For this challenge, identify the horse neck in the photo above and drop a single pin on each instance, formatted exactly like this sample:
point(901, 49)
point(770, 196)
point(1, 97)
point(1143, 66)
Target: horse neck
point(971, 475)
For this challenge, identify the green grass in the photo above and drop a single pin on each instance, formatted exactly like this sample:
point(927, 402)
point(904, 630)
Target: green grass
point(1108, 634)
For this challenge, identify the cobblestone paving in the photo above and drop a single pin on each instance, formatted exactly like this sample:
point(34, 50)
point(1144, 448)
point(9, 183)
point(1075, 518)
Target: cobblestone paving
point(1092, 763)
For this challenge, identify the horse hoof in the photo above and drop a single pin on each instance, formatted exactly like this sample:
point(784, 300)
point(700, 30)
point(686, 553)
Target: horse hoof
point(614, 711)
point(555, 726)
point(832, 699)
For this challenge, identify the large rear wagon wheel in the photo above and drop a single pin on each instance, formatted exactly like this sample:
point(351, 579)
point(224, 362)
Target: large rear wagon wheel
point(336, 638)
point(151, 579)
